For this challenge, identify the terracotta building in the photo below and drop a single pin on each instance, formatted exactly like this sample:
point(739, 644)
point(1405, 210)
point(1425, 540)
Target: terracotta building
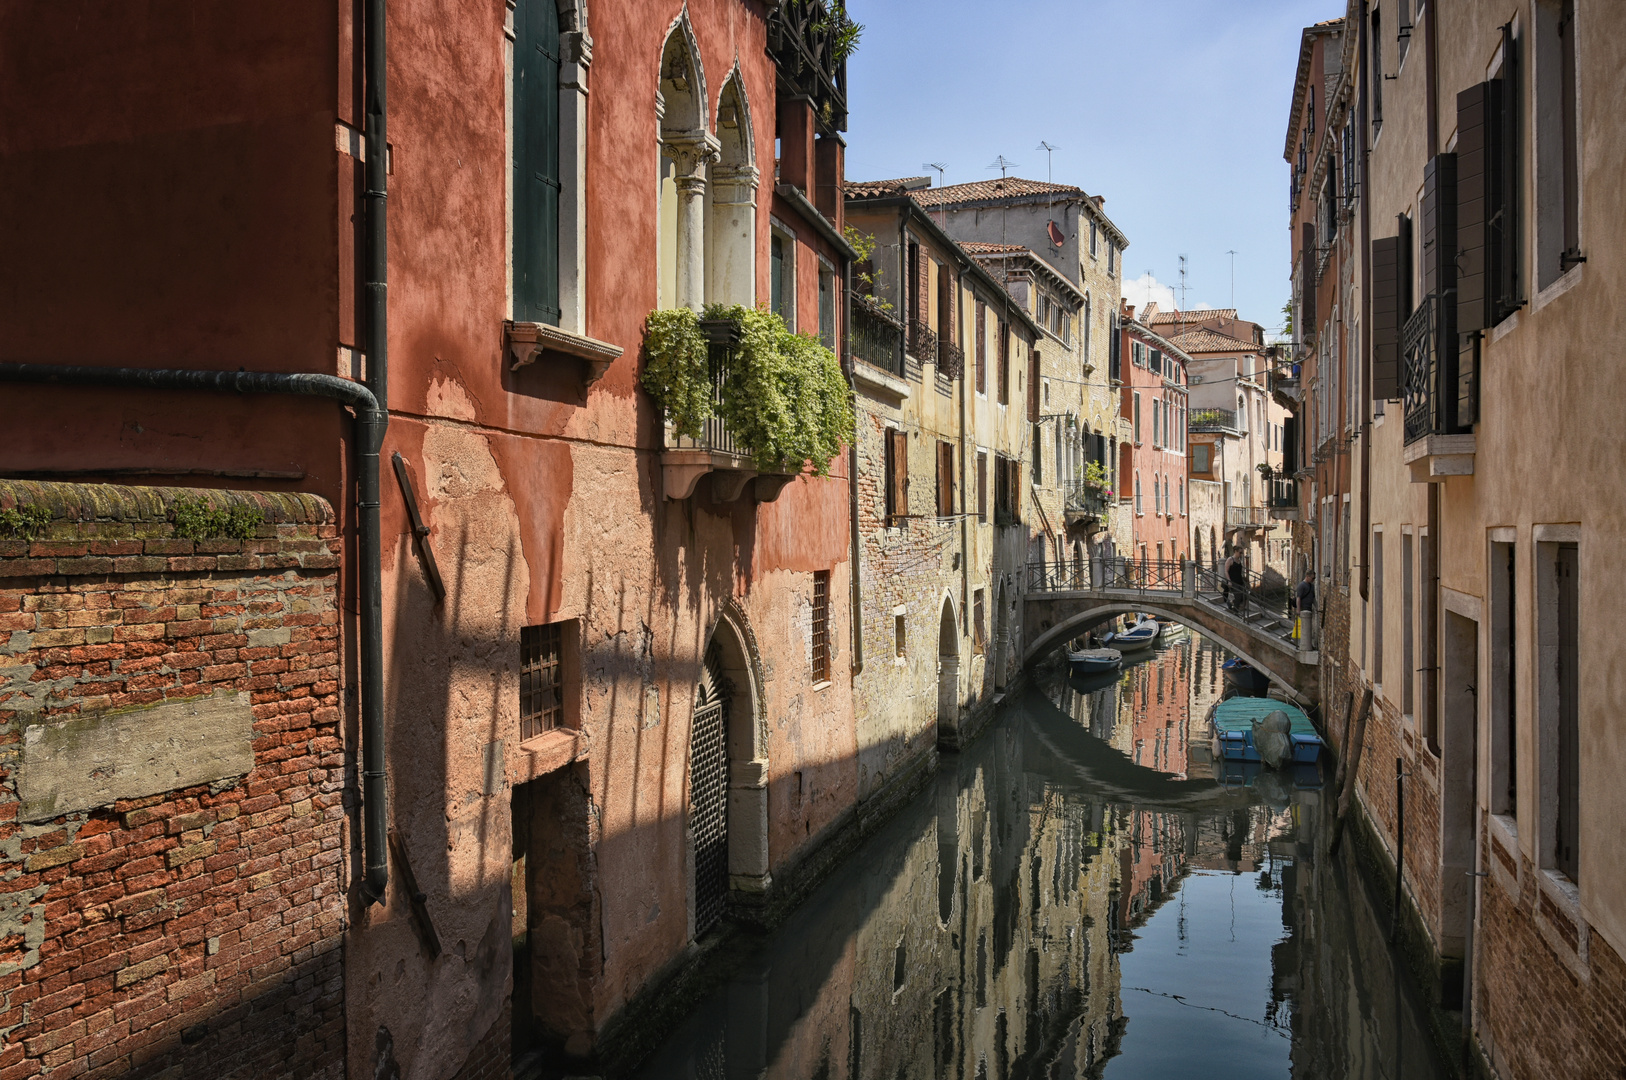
point(1153, 461)
point(1464, 229)
point(519, 689)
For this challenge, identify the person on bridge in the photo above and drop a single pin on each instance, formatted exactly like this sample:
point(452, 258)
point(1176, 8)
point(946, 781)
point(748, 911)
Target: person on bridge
point(1304, 600)
point(1238, 578)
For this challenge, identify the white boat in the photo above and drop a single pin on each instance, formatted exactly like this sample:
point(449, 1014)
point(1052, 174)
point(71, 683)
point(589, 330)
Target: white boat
point(1143, 635)
point(1094, 661)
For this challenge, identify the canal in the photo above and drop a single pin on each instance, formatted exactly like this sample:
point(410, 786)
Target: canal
point(1081, 893)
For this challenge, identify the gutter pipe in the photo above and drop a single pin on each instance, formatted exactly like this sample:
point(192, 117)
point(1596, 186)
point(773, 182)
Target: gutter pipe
point(370, 423)
point(375, 260)
point(1364, 254)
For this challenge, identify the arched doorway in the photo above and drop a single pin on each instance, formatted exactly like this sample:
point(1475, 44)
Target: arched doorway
point(728, 775)
point(948, 678)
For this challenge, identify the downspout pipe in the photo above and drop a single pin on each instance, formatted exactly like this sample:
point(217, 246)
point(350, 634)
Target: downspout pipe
point(375, 263)
point(1364, 424)
point(369, 437)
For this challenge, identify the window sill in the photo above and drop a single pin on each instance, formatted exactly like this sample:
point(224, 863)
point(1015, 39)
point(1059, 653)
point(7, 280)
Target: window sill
point(527, 341)
point(546, 753)
point(822, 684)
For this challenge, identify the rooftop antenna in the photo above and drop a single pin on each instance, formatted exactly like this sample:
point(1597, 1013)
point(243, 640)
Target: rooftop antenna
point(942, 211)
point(1182, 286)
point(1004, 168)
point(1232, 254)
point(1048, 150)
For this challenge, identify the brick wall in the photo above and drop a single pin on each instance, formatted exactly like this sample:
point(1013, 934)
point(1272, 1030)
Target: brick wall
point(1539, 1014)
point(492, 1058)
point(187, 930)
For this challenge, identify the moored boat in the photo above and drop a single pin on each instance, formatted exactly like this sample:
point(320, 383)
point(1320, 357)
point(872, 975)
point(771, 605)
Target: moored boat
point(1234, 720)
point(1094, 661)
point(1140, 636)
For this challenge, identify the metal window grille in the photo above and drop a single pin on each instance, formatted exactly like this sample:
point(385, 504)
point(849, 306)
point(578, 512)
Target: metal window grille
point(821, 625)
point(541, 686)
point(708, 796)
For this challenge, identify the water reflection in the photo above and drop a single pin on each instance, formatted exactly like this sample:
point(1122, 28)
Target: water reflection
point(1079, 896)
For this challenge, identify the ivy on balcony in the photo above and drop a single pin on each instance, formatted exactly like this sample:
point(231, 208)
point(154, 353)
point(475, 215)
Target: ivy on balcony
point(781, 397)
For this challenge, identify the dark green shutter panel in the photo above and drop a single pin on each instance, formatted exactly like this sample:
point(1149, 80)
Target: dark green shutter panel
point(1406, 269)
point(1476, 207)
point(1386, 318)
point(1290, 445)
point(1440, 227)
point(536, 162)
point(1307, 276)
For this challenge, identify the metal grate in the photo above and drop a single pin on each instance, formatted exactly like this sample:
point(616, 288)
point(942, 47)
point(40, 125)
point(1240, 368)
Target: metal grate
point(708, 797)
point(821, 625)
point(541, 696)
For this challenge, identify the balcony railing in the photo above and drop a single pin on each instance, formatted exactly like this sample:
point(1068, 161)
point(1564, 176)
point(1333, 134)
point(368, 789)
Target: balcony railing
point(1283, 495)
point(874, 335)
point(1086, 500)
point(922, 341)
point(1247, 517)
point(950, 359)
point(1213, 420)
point(721, 337)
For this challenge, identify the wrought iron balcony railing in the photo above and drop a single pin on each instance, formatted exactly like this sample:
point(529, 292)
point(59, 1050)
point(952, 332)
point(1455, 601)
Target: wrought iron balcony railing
point(922, 341)
point(1087, 500)
point(950, 359)
point(721, 337)
point(1213, 420)
point(874, 335)
point(1283, 495)
point(806, 42)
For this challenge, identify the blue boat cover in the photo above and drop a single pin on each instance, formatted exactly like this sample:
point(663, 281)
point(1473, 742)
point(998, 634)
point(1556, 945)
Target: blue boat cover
point(1239, 713)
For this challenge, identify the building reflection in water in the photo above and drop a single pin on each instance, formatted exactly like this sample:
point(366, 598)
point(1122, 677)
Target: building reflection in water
point(1077, 897)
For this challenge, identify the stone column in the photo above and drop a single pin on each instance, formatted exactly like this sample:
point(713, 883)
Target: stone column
point(748, 826)
point(732, 231)
point(692, 152)
point(577, 56)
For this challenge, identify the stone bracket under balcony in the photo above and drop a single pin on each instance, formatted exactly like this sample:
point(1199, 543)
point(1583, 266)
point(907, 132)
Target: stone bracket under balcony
point(732, 476)
point(881, 384)
point(1435, 457)
point(525, 343)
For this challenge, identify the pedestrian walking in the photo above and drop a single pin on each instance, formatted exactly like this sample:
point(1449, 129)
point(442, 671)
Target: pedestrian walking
point(1304, 603)
point(1238, 579)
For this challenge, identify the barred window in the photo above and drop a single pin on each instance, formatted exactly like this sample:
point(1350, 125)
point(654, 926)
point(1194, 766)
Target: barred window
point(541, 682)
point(821, 625)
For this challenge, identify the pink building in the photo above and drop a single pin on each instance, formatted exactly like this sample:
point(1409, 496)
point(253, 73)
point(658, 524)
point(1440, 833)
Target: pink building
point(1152, 463)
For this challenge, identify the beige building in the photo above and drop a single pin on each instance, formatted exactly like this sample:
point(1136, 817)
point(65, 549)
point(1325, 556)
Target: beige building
point(1482, 551)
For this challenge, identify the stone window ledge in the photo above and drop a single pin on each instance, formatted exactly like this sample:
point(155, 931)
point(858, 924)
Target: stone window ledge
point(546, 753)
point(526, 342)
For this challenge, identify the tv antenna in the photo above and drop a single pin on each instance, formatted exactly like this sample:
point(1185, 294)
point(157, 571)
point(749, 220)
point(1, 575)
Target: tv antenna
point(1048, 150)
point(1182, 284)
point(942, 211)
point(1004, 168)
point(1232, 254)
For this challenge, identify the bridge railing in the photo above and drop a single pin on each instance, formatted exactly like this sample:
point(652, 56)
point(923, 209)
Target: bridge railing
point(1258, 596)
point(1148, 575)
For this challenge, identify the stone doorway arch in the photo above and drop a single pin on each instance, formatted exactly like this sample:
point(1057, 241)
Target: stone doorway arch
point(728, 774)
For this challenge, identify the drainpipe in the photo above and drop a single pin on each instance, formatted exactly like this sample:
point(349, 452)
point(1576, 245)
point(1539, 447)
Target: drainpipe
point(375, 255)
point(856, 586)
point(1365, 425)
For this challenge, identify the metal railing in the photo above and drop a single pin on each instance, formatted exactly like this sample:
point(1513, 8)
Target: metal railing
point(950, 359)
point(1421, 395)
point(1213, 420)
point(1086, 499)
point(1263, 600)
point(1247, 517)
point(1283, 495)
point(721, 337)
point(1143, 575)
point(873, 336)
point(922, 341)
point(1260, 598)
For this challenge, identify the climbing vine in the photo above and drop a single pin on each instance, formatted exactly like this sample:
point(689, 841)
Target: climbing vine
point(1095, 475)
point(785, 400)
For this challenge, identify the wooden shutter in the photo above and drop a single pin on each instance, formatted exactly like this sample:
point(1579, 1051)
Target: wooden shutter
point(1004, 372)
point(897, 473)
point(917, 293)
point(536, 162)
point(982, 347)
point(1386, 318)
point(945, 479)
point(1440, 228)
point(1405, 268)
point(1476, 205)
point(1307, 280)
point(1034, 405)
point(982, 487)
point(1290, 445)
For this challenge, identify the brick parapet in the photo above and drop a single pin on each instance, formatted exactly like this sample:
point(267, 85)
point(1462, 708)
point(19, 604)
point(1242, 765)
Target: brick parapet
point(196, 929)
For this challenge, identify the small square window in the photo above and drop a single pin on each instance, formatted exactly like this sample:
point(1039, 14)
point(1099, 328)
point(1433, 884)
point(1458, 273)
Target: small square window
point(541, 680)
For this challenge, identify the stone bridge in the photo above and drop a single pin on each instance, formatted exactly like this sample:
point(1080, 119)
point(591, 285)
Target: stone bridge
point(1062, 602)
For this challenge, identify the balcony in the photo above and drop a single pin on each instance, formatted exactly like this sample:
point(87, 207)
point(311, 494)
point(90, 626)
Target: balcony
point(950, 360)
point(686, 461)
point(1247, 517)
point(1285, 386)
point(1218, 420)
point(1282, 499)
point(1437, 397)
point(922, 341)
point(1086, 504)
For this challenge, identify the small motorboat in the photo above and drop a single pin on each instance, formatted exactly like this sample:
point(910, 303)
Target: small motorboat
point(1249, 728)
point(1169, 630)
point(1246, 678)
point(1094, 661)
point(1143, 635)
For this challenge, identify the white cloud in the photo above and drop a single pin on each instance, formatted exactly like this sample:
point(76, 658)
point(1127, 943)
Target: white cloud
point(1145, 289)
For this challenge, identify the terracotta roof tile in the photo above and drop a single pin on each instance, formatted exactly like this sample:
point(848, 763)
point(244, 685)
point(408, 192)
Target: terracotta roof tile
point(1195, 316)
point(1206, 341)
point(978, 247)
point(982, 190)
point(875, 189)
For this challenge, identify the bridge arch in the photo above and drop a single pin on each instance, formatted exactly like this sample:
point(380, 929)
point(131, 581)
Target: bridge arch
point(1072, 616)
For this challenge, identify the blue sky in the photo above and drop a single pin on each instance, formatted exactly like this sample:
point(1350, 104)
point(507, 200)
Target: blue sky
point(1174, 110)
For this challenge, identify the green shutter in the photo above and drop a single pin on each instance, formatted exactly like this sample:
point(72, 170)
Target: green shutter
point(536, 162)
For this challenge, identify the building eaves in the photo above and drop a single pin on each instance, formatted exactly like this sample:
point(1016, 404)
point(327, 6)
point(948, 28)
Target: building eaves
point(815, 217)
point(1301, 81)
point(1009, 253)
point(1193, 342)
point(1159, 340)
point(913, 214)
point(868, 189)
point(1017, 191)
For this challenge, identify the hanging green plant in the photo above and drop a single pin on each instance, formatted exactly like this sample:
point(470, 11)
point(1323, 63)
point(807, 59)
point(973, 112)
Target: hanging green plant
point(1095, 474)
point(676, 373)
point(785, 399)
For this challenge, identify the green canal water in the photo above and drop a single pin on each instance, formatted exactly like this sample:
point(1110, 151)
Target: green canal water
point(1080, 893)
